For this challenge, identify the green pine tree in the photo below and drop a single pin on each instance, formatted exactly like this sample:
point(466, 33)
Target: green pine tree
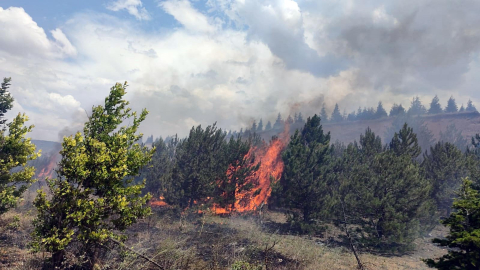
point(470, 107)
point(397, 110)
point(416, 107)
point(435, 106)
point(444, 167)
point(405, 142)
point(94, 198)
point(380, 113)
point(463, 240)
point(451, 106)
point(455, 137)
point(197, 167)
point(336, 115)
point(323, 114)
point(303, 184)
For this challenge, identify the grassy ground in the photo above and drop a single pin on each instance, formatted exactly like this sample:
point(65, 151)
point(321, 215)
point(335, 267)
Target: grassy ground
point(212, 242)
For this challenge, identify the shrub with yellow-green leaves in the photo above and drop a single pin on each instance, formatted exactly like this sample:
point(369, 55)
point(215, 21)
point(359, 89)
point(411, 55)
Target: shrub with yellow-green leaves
point(15, 151)
point(94, 198)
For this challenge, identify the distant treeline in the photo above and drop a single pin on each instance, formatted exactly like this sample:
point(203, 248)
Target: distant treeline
point(416, 108)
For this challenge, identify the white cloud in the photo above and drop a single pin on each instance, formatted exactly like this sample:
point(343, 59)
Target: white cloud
point(20, 34)
point(380, 16)
point(63, 43)
point(133, 7)
point(188, 16)
point(67, 101)
point(202, 73)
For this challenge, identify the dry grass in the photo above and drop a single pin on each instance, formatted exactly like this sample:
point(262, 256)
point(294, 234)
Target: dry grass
point(211, 242)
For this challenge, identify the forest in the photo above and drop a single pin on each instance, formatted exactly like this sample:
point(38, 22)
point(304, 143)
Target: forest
point(220, 199)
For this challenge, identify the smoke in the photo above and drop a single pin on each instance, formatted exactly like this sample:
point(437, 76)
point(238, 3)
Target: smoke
point(246, 60)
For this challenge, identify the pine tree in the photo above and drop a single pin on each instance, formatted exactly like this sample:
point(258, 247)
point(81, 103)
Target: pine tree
point(455, 137)
point(254, 126)
point(462, 109)
point(260, 126)
point(323, 114)
point(397, 110)
point(380, 111)
point(463, 239)
point(94, 197)
point(300, 119)
point(435, 107)
point(6, 100)
point(303, 182)
point(451, 106)
point(159, 170)
point(15, 151)
point(268, 126)
point(381, 194)
point(416, 107)
point(405, 143)
point(197, 167)
point(470, 107)
point(279, 122)
point(336, 115)
point(352, 116)
point(424, 135)
point(289, 120)
point(240, 172)
point(444, 167)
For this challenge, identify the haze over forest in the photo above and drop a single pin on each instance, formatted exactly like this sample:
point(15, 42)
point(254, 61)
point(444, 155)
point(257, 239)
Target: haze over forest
point(197, 62)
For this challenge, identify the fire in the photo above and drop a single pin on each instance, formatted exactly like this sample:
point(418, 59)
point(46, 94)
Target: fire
point(271, 167)
point(47, 171)
point(158, 202)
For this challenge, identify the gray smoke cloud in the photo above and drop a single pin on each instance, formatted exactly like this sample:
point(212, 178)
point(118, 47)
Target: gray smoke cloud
point(239, 61)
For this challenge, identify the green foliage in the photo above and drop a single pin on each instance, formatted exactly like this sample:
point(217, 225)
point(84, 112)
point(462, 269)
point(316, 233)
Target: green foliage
point(397, 110)
point(435, 106)
point(159, 170)
point(424, 136)
point(444, 167)
point(197, 167)
point(382, 194)
point(244, 265)
point(405, 142)
point(6, 100)
point(336, 115)
point(15, 151)
point(463, 240)
point(94, 198)
point(303, 184)
point(451, 106)
point(323, 114)
point(239, 171)
point(455, 137)
point(470, 106)
point(416, 107)
point(380, 112)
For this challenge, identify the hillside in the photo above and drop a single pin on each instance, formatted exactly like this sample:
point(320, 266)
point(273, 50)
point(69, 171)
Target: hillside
point(348, 131)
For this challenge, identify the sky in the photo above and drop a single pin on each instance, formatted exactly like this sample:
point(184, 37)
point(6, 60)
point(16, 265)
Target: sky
point(233, 61)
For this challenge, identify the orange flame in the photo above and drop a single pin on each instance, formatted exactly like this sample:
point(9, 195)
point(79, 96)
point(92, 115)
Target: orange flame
point(271, 167)
point(47, 171)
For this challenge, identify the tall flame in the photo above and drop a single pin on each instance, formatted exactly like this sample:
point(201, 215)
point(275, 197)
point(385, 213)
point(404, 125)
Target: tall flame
point(271, 167)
